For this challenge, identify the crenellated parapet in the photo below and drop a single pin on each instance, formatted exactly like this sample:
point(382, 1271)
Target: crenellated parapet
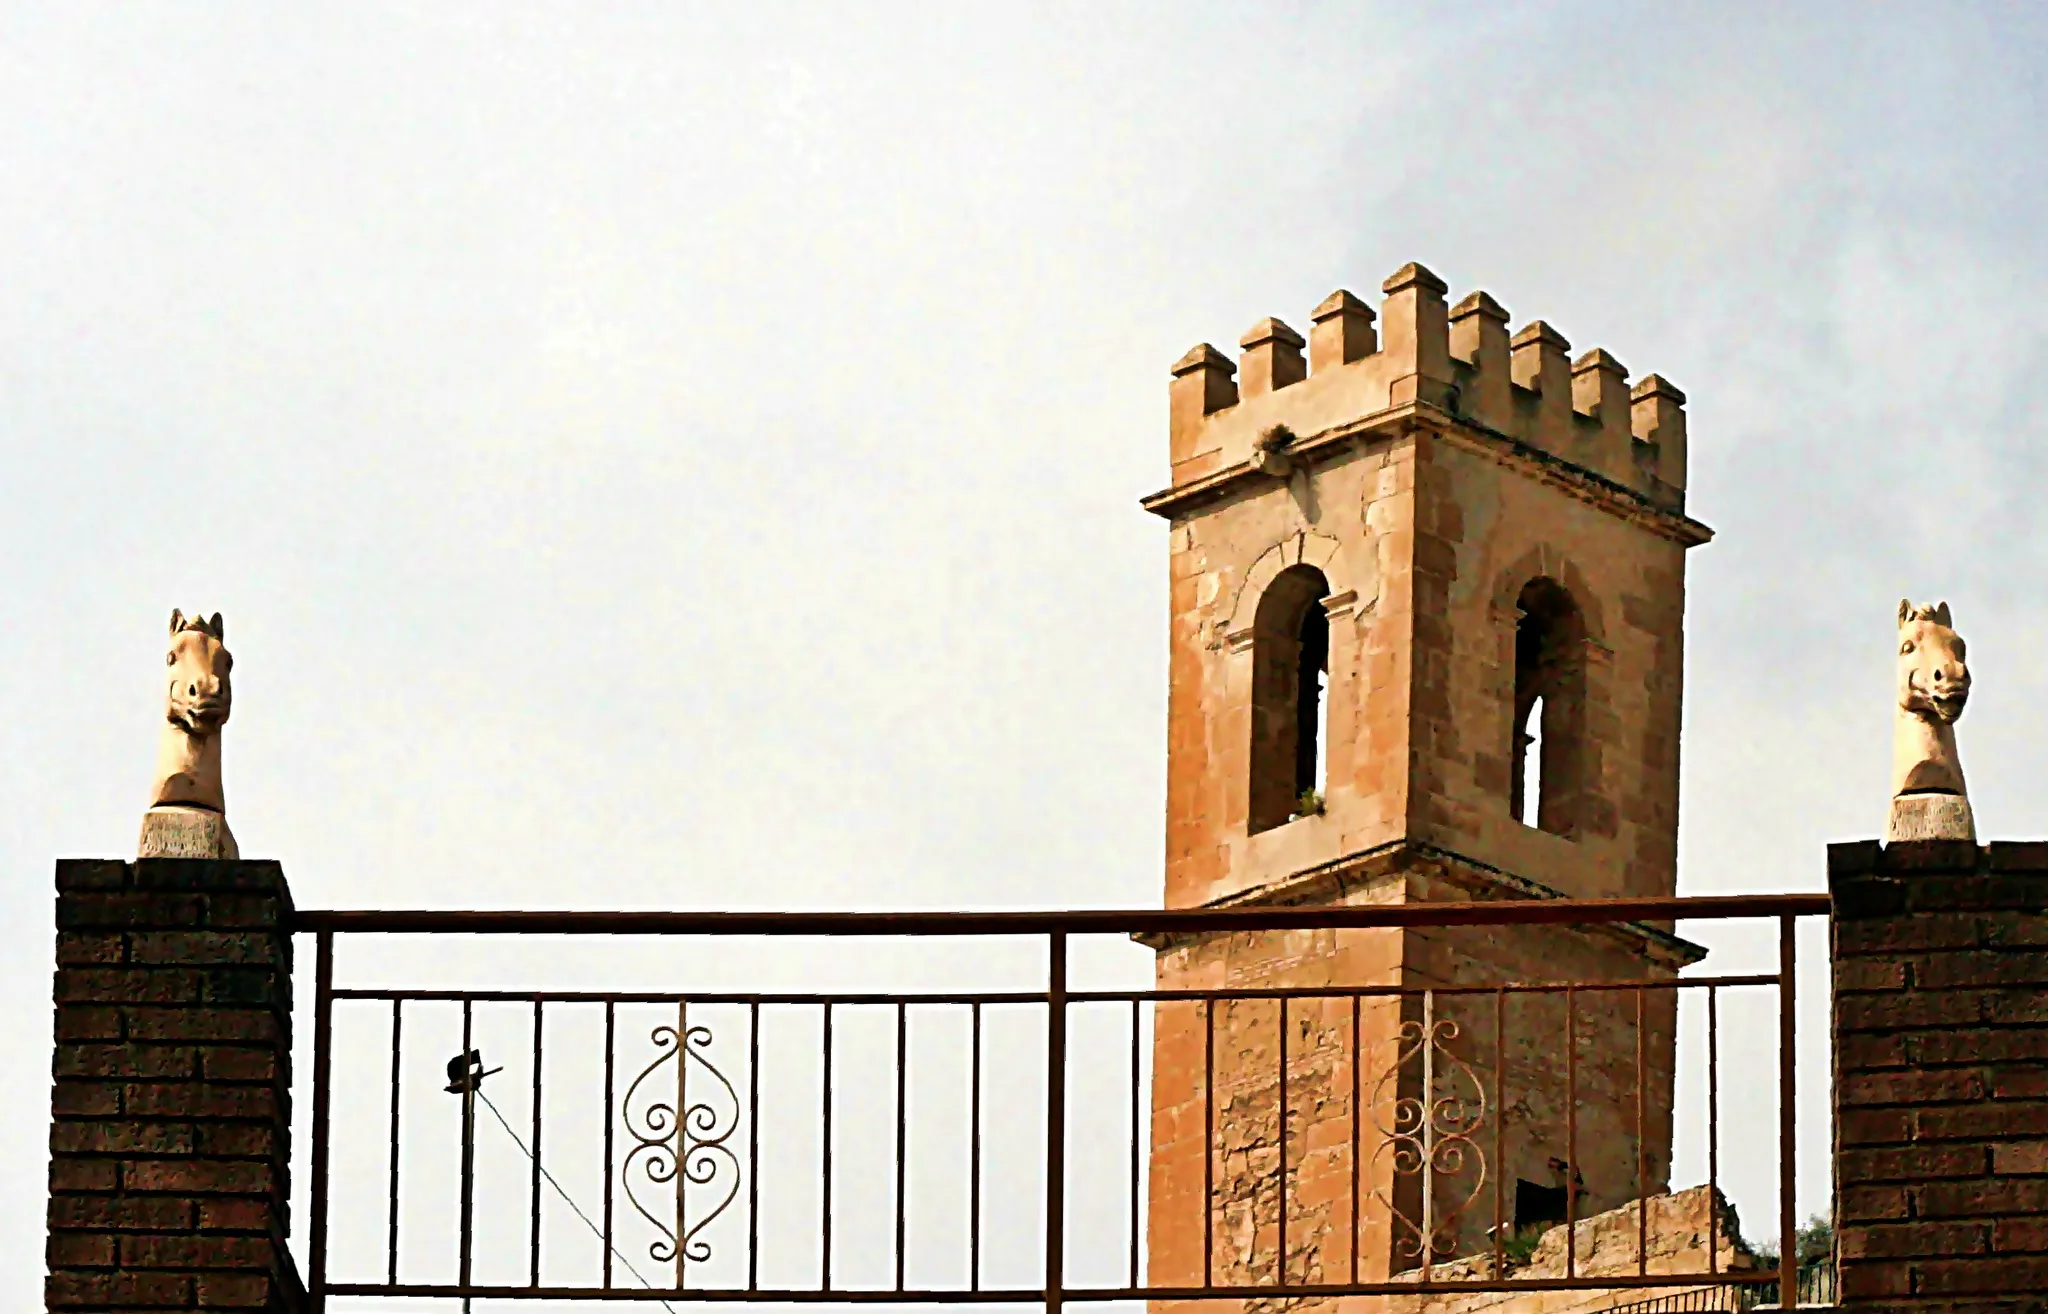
point(1420, 355)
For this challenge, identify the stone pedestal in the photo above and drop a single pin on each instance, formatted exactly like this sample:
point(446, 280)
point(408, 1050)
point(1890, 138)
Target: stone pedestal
point(174, 832)
point(1931, 817)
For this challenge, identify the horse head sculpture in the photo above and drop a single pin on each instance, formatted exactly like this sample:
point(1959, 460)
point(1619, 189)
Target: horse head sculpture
point(187, 816)
point(1930, 800)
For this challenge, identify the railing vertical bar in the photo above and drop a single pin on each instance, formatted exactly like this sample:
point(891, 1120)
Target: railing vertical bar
point(1642, 1151)
point(610, 1096)
point(1280, 1266)
point(1428, 1130)
point(1136, 1074)
point(1788, 1132)
point(902, 1158)
point(467, 1220)
point(1208, 1142)
point(1500, 1078)
point(754, 1146)
point(683, 1141)
point(533, 1277)
point(1713, 1132)
point(1571, 1132)
point(974, 1150)
point(391, 1214)
point(1357, 1127)
point(1055, 1121)
point(323, 1061)
point(825, 1154)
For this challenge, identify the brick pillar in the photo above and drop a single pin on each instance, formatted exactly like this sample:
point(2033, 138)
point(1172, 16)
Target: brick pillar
point(1941, 1075)
point(170, 1109)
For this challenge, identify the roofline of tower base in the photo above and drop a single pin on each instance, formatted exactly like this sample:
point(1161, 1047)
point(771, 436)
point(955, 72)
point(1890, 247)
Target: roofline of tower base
point(1357, 877)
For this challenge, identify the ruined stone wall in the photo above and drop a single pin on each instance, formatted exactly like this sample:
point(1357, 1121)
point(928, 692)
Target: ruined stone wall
point(1511, 1082)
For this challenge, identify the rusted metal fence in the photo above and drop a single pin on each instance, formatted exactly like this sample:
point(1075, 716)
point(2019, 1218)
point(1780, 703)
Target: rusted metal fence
point(662, 1137)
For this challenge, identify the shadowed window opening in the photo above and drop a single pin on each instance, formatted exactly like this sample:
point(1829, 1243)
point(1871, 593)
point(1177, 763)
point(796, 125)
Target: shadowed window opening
point(1537, 1206)
point(1290, 682)
point(1547, 751)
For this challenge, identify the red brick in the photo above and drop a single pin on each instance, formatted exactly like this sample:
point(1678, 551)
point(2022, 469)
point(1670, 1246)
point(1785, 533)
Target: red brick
point(89, 948)
point(126, 1061)
point(114, 1290)
point(243, 910)
point(127, 985)
point(234, 1291)
point(228, 1215)
point(1862, 1204)
point(2020, 1234)
point(2016, 1007)
point(76, 1099)
point(1873, 1126)
point(2019, 1084)
point(205, 1250)
point(84, 1175)
point(79, 1250)
point(198, 948)
point(1980, 968)
point(1910, 1163)
point(86, 911)
point(84, 1022)
point(1865, 1050)
point(1977, 1045)
point(1907, 1010)
point(197, 1176)
point(195, 1099)
point(1909, 1240)
point(121, 1138)
point(174, 1024)
point(1995, 1276)
point(2016, 855)
point(1987, 1121)
point(1892, 936)
point(1982, 1198)
point(91, 874)
point(1852, 974)
point(1867, 1278)
point(2024, 1157)
point(1938, 1086)
point(120, 1213)
point(238, 1139)
point(231, 1064)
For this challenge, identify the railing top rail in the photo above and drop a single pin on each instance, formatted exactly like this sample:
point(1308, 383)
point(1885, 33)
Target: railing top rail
point(1087, 921)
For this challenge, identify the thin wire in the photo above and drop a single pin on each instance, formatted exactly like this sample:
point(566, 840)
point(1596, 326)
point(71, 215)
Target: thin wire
point(565, 1197)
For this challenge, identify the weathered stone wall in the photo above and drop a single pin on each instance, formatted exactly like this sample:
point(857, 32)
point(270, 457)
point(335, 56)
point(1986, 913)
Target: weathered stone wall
point(1483, 530)
point(1941, 1075)
point(1518, 1130)
point(170, 1109)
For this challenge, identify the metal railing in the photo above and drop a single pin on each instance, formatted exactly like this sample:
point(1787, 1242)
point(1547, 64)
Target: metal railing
point(684, 1151)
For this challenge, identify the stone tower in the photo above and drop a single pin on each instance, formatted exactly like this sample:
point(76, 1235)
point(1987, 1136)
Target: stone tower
point(1428, 591)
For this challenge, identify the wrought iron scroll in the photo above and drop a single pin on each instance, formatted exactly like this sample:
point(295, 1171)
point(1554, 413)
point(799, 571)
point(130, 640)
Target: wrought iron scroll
point(693, 1145)
point(1430, 1136)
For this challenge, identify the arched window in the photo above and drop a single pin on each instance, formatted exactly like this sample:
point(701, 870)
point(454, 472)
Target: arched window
point(1550, 700)
point(1290, 677)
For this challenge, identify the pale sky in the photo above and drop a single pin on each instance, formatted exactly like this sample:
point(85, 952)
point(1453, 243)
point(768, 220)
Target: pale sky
point(670, 456)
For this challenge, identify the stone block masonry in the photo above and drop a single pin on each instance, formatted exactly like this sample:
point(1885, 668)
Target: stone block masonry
point(1941, 1075)
point(170, 1104)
